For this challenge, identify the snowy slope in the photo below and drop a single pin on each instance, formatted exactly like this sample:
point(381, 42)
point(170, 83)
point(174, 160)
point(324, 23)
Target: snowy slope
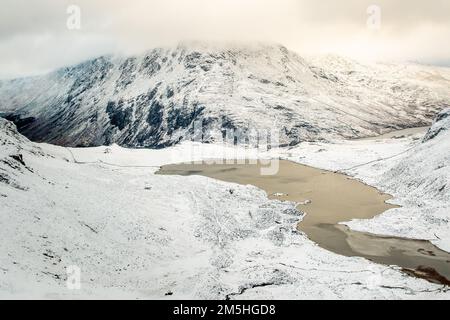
point(152, 99)
point(135, 234)
point(421, 180)
point(416, 171)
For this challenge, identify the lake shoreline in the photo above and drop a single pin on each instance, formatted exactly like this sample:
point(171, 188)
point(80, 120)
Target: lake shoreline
point(329, 231)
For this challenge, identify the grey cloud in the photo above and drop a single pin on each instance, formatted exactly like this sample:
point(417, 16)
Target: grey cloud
point(34, 37)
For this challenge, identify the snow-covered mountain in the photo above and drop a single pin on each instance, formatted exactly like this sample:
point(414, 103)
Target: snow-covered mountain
point(152, 100)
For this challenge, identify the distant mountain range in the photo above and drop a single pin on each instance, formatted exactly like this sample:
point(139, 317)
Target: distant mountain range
point(152, 100)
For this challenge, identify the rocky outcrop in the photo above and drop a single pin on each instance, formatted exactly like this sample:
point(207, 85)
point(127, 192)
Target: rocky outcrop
point(441, 124)
point(13, 147)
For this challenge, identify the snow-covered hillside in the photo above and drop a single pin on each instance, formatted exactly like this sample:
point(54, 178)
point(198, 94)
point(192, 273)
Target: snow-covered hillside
point(420, 179)
point(135, 234)
point(415, 171)
point(153, 99)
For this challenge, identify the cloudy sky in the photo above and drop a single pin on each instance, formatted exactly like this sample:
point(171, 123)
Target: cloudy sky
point(34, 36)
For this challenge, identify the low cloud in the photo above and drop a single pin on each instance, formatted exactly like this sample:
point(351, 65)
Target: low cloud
point(34, 37)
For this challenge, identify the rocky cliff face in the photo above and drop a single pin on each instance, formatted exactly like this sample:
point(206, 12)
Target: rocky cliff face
point(440, 125)
point(14, 148)
point(152, 100)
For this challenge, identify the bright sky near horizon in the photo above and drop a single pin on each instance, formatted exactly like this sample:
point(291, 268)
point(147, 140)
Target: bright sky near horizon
point(35, 37)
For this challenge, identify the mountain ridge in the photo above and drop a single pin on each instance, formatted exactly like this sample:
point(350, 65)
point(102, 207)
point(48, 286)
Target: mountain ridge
point(153, 99)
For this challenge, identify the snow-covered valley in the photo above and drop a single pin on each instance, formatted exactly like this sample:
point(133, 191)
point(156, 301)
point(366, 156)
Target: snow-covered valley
point(134, 234)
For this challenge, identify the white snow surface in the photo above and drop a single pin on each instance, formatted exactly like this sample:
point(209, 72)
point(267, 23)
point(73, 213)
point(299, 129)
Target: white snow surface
point(416, 171)
point(135, 234)
point(420, 182)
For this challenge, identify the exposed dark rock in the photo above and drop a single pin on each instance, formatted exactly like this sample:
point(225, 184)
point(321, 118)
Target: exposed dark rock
point(429, 274)
point(170, 93)
point(155, 115)
point(441, 124)
point(151, 63)
point(118, 116)
point(18, 158)
point(178, 118)
point(192, 60)
point(21, 123)
point(5, 178)
point(128, 74)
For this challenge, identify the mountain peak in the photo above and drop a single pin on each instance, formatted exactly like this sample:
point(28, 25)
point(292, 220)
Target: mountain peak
point(154, 98)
